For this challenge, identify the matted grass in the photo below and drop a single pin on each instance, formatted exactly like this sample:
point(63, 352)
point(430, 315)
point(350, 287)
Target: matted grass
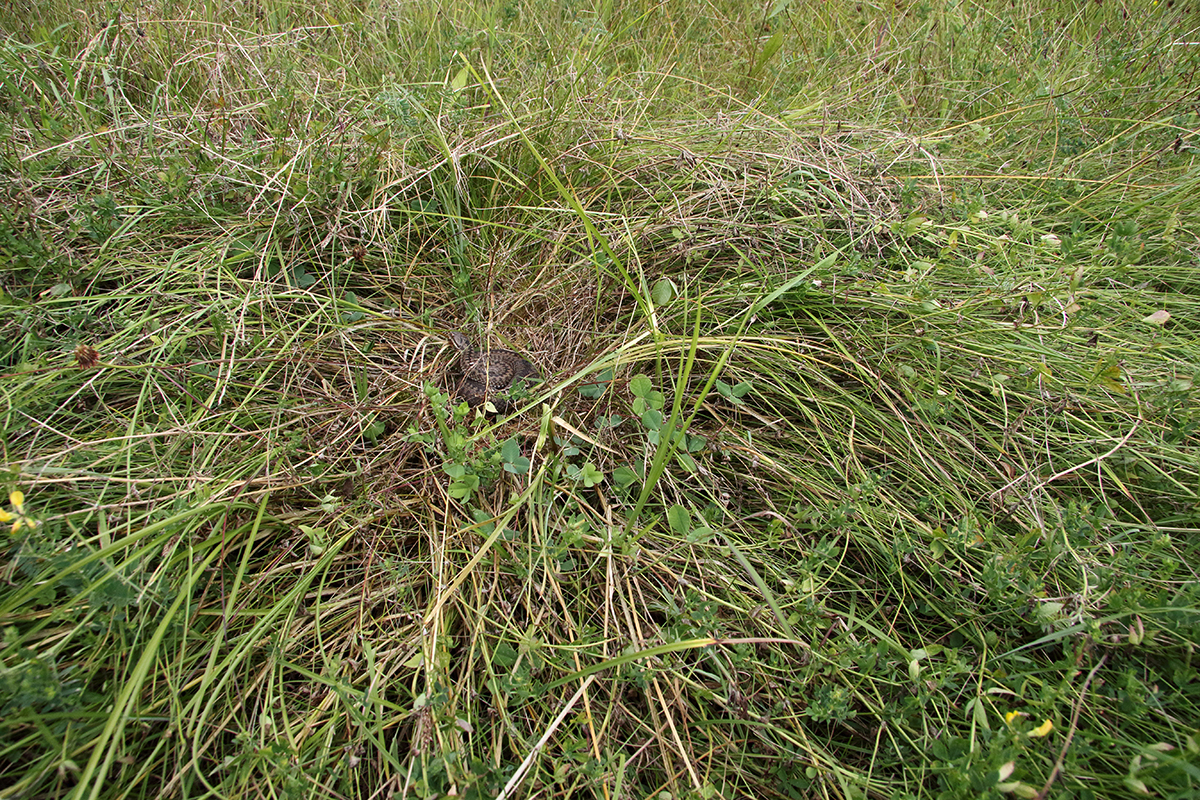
point(864, 462)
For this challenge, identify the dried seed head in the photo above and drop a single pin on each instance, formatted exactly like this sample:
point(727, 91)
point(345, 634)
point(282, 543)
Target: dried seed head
point(86, 356)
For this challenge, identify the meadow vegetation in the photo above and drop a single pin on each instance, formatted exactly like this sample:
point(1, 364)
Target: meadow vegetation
point(864, 463)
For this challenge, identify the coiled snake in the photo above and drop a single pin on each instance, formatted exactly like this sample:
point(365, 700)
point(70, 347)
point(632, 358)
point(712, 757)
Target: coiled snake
point(486, 375)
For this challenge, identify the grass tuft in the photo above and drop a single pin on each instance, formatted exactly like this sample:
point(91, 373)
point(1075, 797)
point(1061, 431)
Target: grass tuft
point(862, 463)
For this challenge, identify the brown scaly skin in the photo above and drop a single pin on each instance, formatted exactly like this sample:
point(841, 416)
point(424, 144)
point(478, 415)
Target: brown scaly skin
point(485, 374)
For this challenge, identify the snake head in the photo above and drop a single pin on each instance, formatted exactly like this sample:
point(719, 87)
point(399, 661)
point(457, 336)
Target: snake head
point(460, 341)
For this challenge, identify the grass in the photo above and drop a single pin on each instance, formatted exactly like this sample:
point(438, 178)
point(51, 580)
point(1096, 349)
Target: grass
point(864, 464)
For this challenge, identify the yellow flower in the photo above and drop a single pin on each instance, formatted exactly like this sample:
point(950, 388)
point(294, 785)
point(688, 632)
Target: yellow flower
point(1042, 730)
point(17, 517)
point(1010, 716)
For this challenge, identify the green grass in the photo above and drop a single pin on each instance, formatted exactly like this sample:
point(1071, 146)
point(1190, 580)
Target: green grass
point(864, 450)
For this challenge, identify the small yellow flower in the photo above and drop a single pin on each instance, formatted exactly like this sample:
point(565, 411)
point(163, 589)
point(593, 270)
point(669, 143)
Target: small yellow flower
point(1010, 716)
point(1041, 730)
point(17, 517)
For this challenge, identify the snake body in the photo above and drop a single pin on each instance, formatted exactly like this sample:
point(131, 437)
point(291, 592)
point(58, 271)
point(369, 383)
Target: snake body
point(487, 374)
